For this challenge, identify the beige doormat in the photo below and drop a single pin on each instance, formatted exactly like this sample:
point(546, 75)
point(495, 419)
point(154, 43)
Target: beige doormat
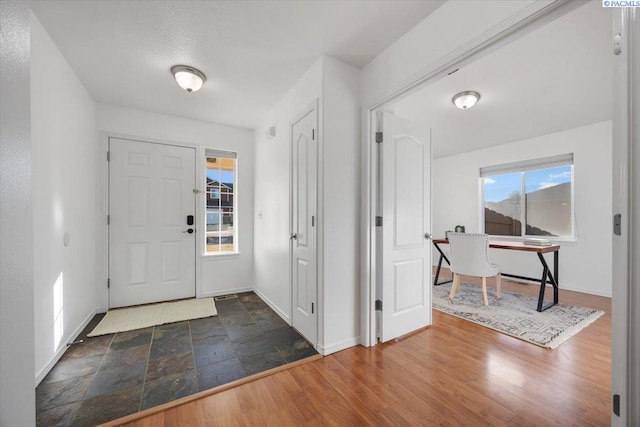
point(128, 319)
point(515, 314)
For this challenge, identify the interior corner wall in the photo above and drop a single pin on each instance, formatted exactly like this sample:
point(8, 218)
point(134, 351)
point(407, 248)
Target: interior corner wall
point(272, 169)
point(341, 206)
point(220, 275)
point(17, 392)
point(64, 200)
point(586, 264)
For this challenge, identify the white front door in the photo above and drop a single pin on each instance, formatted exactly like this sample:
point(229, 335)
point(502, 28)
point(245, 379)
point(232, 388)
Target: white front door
point(406, 226)
point(303, 234)
point(151, 251)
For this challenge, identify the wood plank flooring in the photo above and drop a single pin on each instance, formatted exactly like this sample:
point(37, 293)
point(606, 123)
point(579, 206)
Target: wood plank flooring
point(453, 373)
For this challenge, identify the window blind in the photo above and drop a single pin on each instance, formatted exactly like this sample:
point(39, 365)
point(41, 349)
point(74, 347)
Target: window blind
point(527, 165)
point(220, 153)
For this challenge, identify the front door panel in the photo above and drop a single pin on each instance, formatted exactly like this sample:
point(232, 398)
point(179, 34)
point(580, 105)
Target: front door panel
point(151, 256)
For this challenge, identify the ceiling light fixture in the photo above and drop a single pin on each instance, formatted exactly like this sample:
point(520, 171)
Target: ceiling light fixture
point(465, 100)
point(188, 78)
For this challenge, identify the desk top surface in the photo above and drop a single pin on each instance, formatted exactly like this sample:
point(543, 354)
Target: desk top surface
point(514, 246)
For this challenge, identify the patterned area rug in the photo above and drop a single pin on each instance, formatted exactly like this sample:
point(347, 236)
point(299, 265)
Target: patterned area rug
point(515, 314)
point(128, 319)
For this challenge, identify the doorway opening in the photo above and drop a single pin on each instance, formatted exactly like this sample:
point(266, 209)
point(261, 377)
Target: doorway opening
point(515, 120)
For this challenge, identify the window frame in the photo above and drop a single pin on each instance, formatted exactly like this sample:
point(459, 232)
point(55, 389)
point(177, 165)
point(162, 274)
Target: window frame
point(233, 155)
point(522, 168)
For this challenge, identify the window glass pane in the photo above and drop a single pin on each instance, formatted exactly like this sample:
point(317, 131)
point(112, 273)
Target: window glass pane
point(220, 204)
point(213, 171)
point(548, 201)
point(502, 204)
point(213, 219)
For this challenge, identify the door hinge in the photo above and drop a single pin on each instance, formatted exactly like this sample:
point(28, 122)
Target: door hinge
point(617, 44)
point(108, 283)
point(108, 219)
point(378, 137)
point(313, 134)
point(311, 308)
point(617, 224)
point(108, 156)
point(616, 404)
point(378, 221)
point(378, 305)
point(313, 220)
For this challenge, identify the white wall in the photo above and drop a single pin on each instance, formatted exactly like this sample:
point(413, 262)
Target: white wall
point(272, 160)
point(585, 265)
point(340, 189)
point(219, 274)
point(65, 179)
point(17, 392)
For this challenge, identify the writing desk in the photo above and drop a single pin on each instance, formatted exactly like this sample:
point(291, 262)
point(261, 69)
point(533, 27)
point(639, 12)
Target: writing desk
point(517, 246)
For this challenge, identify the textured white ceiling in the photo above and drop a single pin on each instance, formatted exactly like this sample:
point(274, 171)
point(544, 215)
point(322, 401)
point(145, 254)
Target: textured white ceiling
point(557, 77)
point(250, 51)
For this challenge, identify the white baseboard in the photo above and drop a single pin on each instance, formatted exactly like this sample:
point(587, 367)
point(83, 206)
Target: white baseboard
point(563, 286)
point(582, 291)
point(44, 371)
point(342, 345)
point(274, 307)
point(226, 292)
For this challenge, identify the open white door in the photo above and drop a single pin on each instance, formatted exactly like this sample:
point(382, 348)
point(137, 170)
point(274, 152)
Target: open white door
point(151, 250)
point(406, 226)
point(625, 319)
point(303, 231)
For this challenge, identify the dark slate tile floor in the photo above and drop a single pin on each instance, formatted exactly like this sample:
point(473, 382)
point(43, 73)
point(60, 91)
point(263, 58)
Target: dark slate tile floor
point(111, 376)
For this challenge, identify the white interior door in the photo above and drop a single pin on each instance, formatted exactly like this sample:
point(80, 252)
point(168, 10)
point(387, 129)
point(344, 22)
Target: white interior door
point(303, 234)
point(151, 251)
point(406, 226)
point(625, 319)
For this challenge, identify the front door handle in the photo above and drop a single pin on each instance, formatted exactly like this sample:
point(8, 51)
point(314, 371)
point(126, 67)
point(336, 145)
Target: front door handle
point(293, 236)
point(189, 230)
point(427, 236)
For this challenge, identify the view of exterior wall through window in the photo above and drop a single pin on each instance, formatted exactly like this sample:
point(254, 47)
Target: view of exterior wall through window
point(538, 194)
point(221, 235)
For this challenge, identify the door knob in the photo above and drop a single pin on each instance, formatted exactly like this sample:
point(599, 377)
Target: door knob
point(293, 236)
point(189, 230)
point(427, 236)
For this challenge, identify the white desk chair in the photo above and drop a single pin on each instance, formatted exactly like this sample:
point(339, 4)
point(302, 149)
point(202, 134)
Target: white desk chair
point(470, 257)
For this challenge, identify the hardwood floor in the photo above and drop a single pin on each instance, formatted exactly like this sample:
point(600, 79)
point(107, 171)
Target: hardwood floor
point(451, 373)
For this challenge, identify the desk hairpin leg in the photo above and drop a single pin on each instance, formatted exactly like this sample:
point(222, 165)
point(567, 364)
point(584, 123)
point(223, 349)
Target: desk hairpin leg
point(442, 256)
point(546, 273)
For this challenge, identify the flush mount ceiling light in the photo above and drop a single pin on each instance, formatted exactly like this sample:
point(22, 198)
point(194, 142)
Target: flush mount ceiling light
point(188, 78)
point(465, 100)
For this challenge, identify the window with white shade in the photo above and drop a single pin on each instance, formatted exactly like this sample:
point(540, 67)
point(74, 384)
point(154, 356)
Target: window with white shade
point(530, 198)
point(221, 202)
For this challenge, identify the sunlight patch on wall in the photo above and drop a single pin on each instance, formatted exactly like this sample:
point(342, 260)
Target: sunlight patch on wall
point(58, 214)
point(58, 322)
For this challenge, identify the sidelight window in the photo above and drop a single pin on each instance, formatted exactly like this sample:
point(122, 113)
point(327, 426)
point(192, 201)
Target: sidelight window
point(221, 202)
